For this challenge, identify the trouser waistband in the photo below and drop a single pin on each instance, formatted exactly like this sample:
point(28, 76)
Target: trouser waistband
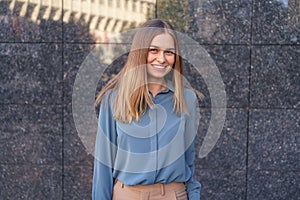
point(158, 186)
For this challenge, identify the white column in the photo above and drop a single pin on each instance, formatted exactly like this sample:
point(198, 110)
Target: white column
point(87, 10)
point(94, 23)
point(77, 7)
point(118, 26)
point(12, 5)
point(36, 11)
point(96, 11)
point(138, 6)
point(130, 6)
point(24, 9)
point(110, 25)
point(48, 10)
point(68, 6)
point(102, 24)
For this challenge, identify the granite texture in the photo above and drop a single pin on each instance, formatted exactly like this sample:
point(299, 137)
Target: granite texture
point(230, 149)
point(15, 28)
point(74, 55)
point(78, 182)
point(75, 153)
point(76, 31)
point(31, 73)
point(222, 184)
point(31, 182)
point(220, 22)
point(276, 22)
point(30, 134)
point(275, 77)
point(275, 185)
point(81, 56)
point(233, 64)
point(254, 44)
point(274, 138)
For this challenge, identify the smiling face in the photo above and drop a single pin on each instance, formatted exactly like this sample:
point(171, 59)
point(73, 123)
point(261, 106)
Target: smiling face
point(161, 57)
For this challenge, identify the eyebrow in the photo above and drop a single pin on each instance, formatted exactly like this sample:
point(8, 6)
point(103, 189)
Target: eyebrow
point(160, 48)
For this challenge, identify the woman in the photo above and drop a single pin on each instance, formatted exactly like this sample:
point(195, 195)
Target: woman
point(144, 147)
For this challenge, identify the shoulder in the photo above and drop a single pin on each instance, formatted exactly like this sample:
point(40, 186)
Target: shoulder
point(190, 99)
point(109, 95)
point(109, 98)
point(190, 95)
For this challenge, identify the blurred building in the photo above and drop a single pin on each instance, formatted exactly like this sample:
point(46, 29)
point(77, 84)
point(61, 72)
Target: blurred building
point(103, 17)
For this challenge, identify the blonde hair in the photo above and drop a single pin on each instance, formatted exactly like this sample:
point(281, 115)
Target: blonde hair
point(131, 82)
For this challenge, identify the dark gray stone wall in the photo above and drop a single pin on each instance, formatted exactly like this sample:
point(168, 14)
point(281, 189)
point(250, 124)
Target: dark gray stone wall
point(256, 46)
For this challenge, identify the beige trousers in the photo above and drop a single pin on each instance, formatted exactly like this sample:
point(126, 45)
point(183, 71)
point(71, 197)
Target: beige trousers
point(171, 191)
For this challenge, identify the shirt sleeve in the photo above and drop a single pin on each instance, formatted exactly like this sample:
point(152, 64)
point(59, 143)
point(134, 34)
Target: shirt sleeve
point(193, 187)
point(105, 146)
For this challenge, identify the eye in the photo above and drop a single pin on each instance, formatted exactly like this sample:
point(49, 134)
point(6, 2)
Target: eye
point(169, 53)
point(153, 50)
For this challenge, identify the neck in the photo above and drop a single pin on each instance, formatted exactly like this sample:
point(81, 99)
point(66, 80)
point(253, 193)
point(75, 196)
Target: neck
point(156, 87)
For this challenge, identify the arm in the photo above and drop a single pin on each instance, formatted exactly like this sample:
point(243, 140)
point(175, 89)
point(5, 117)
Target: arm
point(192, 186)
point(103, 180)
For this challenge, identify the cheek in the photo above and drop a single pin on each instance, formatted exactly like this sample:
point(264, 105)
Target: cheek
point(150, 58)
point(171, 60)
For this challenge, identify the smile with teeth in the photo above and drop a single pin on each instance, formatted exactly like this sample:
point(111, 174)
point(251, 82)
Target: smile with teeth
point(160, 66)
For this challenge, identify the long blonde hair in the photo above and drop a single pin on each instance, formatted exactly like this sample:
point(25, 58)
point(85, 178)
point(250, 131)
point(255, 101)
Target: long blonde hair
point(131, 82)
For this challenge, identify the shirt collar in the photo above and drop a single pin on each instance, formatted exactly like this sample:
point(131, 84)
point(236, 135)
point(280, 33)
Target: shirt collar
point(170, 86)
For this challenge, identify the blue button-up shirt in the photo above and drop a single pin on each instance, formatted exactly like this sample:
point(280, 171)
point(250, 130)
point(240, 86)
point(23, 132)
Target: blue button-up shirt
point(159, 148)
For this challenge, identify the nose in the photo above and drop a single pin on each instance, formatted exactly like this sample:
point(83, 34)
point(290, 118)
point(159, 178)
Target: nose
point(161, 57)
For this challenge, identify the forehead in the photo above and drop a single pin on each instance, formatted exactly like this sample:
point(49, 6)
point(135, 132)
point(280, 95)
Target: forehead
point(163, 41)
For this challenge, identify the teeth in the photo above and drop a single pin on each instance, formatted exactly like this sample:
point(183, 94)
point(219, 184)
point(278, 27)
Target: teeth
point(159, 66)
